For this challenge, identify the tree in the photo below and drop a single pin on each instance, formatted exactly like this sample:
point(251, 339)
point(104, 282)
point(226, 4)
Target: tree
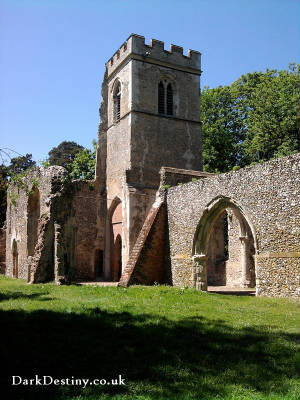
point(273, 113)
point(3, 197)
point(83, 165)
point(222, 129)
point(64, 154)
point(255, 119)
point(20, 164)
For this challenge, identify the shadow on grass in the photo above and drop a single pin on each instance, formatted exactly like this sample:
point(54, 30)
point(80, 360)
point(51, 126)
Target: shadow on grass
point(21, 295)
point(163, 359)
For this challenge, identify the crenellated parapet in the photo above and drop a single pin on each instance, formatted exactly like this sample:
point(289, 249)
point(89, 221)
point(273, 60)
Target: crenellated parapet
point(136, 48)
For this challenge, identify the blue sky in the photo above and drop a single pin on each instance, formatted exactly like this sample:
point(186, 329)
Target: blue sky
point(52, 55)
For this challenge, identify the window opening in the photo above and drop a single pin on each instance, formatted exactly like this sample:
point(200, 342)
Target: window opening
point(165, 98)
point(226, 237)
point(117, 103)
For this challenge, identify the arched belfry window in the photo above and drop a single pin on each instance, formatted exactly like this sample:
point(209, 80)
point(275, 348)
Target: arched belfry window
point(117, 102)
point(165, 98)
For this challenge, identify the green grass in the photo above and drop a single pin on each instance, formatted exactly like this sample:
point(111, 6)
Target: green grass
point(167, 343)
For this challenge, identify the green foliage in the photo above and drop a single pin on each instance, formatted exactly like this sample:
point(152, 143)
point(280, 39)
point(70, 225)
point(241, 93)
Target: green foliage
point(64, 154)
point(20, 164)
point(79, 162)
point(272, 112)
point(45, 163)
point(166, 187)
point(185, 344)
point(236, 168)
point(222, 128)
point(255, 119)
point(18, 179)
point(3, 201)
point(83, 165)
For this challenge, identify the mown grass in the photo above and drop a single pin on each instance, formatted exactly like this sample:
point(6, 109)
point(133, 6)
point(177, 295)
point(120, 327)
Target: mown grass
point(167, 343)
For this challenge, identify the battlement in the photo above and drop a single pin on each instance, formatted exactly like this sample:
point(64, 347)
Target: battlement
point(135, 48)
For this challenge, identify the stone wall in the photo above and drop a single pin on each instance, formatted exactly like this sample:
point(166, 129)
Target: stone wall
point(52, 228)
point(267, 196)
point(82, 231)
point(29, 244)
point(176, 176)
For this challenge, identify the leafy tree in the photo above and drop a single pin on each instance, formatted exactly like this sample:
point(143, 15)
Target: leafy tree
point(64, 154)
point(255, 119)
point(3, 198)
point(272, 113)
point(83, 165)
point(222, 129)
point(20, 164)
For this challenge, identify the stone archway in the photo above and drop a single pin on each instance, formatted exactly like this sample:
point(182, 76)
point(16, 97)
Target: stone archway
point(224, 246)
point(15, 271)
point(33, 215)
point(117, 258)
point(114, 243)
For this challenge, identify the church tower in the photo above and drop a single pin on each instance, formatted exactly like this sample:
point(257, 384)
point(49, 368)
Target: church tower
point(150, 117)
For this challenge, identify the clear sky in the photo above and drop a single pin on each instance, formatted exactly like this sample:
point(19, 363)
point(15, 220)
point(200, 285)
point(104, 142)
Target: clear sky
point(52, 55)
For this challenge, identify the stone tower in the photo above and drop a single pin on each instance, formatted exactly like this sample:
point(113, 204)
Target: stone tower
point(150, 117)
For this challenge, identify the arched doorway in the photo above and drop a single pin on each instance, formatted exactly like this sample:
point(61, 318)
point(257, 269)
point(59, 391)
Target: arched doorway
point(117, 258)
point(116, 241)
point(33, 215)
point(224, 247)
point(14, 259)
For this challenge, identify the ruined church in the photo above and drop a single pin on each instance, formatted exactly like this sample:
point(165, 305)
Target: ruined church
point(151, 215)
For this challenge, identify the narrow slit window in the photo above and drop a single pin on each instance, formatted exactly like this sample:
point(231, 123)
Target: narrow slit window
point(117, 103)
point(169, 99)
point(161, 98)
point(226, 237)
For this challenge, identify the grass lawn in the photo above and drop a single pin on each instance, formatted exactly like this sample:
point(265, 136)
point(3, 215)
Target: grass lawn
point(167, 343)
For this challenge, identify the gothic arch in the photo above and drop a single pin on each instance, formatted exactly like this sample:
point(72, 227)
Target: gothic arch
point(213, 211)
point(167, 95)
point(116, 99)
point(114, 240)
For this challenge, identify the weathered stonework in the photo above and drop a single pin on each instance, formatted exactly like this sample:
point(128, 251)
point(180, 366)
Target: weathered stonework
point(28, 252)
point(268, 196)
point(152, 215)
point(57, 239)
point(142, 139)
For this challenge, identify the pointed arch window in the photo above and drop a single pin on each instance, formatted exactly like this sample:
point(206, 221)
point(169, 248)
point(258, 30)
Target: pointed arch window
point(165, 98)
point(117, 102)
